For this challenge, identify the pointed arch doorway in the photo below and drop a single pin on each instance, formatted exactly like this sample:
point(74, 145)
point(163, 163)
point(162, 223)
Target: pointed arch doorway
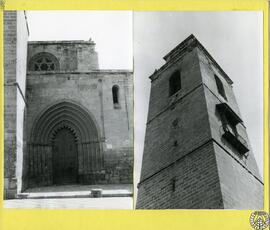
point(65, 157)
point(64, 147)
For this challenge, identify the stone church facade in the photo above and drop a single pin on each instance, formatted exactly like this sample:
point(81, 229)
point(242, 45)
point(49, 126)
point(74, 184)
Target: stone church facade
point(66, 120)
point(197, 153)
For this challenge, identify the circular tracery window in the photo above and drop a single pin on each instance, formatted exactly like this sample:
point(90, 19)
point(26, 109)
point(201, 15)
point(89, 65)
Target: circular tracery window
point(43, 62)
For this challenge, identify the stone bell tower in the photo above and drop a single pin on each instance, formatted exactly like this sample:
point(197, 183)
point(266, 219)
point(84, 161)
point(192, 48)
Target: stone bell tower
point(197, 154)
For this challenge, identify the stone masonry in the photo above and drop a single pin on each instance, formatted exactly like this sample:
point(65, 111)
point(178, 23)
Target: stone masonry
point(55, 85)
point(15, 50)
point(197, 153)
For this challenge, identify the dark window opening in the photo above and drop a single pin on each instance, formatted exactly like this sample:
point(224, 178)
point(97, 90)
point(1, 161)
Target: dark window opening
point(228, 124)
point(36, 67)
point(44, 66)
point(115, 96)
point(175, 83)
point(175, 123)
point(173, 183)
point(229, 131)
point(220, 87)
point(48, 60)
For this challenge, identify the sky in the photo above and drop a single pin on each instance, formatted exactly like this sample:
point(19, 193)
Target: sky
point(110, 30)
point(234, 39)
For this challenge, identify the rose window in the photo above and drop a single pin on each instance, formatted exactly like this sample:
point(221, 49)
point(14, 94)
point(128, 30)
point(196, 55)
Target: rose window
point(43, 62)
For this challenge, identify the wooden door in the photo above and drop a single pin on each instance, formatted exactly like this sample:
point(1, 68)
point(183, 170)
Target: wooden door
point(65, 158)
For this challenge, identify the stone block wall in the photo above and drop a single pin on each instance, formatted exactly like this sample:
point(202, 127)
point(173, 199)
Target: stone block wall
point(239, 175)
point(15, 55)
point(192, 182)
point(190, 78)
point(10, 50)
point(240, 189)
point(78, 80)
point(93, 91)
point(187, 108)
point(186, 161)
point(72, 55)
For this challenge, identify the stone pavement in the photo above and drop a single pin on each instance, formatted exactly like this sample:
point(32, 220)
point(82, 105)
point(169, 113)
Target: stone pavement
point(74, 197)
point(72, 203)
point(77, 191)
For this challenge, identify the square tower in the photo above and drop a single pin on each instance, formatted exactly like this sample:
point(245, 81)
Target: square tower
point(196, 154)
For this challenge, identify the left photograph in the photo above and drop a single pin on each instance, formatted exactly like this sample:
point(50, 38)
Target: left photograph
point(68, 109)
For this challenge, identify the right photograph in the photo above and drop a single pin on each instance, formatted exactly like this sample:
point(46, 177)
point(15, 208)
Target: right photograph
point(198, 94)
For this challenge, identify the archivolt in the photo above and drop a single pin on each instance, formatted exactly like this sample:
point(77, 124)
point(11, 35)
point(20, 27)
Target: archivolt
point(64, 114)
point(78, 120)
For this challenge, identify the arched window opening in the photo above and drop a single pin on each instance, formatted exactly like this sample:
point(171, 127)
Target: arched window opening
point(115, 96)
point(175, 83)
point(220, 87)
point(43, 62)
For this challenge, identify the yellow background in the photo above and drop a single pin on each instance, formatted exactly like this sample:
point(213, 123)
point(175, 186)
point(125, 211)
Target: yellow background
point(134, 219)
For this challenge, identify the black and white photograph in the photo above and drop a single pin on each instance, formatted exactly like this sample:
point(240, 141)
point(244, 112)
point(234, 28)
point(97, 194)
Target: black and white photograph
point(133, 110)
point(198, 79)
point(68, 109)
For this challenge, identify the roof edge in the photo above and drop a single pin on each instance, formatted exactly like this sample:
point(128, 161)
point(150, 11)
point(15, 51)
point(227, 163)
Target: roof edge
point(108, 71)
point(189, 43)
point(62, 42)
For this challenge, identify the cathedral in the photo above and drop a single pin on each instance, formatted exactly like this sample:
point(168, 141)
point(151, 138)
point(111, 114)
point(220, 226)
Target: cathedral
point(66, 121)
point(197, 153)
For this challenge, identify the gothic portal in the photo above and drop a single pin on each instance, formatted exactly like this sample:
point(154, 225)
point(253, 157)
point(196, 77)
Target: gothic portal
point(64, 147)
point(66, 120)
